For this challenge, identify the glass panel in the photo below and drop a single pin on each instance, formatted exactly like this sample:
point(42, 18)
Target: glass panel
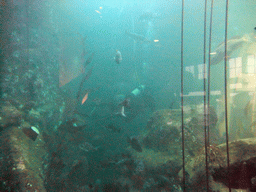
point(94, 96)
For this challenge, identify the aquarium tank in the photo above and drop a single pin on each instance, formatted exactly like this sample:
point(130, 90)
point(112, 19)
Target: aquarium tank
point(128, 96)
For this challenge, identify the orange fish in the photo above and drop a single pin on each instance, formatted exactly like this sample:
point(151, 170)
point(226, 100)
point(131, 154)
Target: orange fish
point(85, 98)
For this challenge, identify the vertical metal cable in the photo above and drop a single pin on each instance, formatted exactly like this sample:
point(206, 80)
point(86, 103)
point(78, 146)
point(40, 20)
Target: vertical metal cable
point(226, 94)
point(27, 15)
point(209, 68)
point(182, 112)
point(206, 110)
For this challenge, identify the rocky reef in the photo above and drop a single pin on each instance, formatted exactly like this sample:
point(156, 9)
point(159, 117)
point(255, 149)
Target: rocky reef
point(162, 137)
point(239, 177)
point(21, 161)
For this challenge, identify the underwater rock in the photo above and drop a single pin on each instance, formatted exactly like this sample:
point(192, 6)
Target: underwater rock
point(34, 116)
point(78, 173)
point(28, 106)
point(55, 176)
point(10, 116)
point(21, 162)
point(162, 137)
point(241, 173)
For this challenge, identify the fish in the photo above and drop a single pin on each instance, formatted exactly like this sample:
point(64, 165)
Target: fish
point(118, 57)
point(233, 44)
point(137, 37)
point(88, 147)
point(84, 78)
point(135, 144)
point(113, 128)
point(85, 98)
point(86, 95)
point(125, 103)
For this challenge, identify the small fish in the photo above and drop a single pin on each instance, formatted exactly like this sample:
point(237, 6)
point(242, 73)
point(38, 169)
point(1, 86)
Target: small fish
point(85, 98)
point(135, 144)
point(88, 147)
point(118, 57)
point(98, 11)
point(113, 128)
